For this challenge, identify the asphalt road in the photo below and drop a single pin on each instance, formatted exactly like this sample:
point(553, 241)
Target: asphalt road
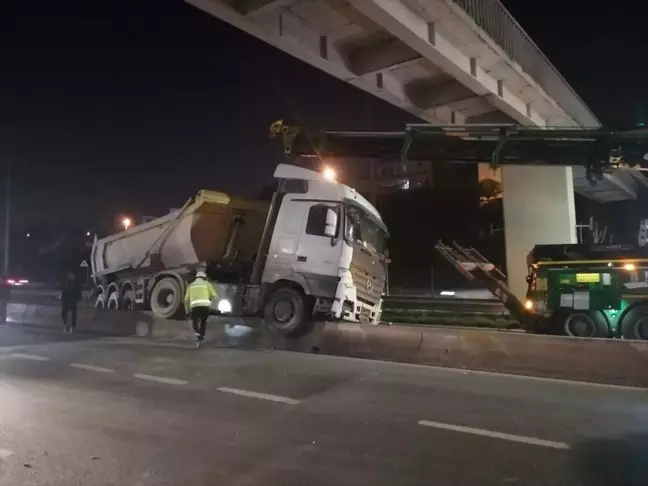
point(77, 410)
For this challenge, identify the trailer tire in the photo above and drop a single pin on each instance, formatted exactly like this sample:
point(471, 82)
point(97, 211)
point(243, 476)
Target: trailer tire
point(585, 324)
point(166, 298)
point(635, 323)
point(128, 301)
point(287, 311)
point(113, 302)
point(100, 301)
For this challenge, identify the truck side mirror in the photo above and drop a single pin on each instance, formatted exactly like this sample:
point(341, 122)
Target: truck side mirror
point(331, 222)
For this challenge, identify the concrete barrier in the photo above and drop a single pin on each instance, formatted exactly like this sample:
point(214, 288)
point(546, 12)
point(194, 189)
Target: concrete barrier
point(597, 360)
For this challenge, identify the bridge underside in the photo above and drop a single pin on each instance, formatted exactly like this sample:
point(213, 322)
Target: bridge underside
point(436, 61)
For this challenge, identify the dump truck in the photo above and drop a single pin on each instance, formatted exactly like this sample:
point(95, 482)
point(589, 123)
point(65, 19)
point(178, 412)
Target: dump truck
point(316, 251)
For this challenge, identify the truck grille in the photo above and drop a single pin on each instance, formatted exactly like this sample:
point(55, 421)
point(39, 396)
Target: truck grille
point(369, 287)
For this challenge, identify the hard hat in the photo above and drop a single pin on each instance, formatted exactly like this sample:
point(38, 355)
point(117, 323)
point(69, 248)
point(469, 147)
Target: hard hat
point(201, 274)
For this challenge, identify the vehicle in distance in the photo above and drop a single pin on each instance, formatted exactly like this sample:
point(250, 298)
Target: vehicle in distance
point(318, 250)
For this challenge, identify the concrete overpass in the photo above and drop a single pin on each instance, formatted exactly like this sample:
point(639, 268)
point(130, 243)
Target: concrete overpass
point(446, 62)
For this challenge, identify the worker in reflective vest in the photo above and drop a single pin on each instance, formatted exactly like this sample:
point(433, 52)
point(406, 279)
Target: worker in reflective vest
point(197, 301)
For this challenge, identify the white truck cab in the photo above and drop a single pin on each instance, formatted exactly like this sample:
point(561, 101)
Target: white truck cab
point(330, 240)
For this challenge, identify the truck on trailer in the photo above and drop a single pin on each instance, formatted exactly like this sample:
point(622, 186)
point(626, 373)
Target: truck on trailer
point(316, 251)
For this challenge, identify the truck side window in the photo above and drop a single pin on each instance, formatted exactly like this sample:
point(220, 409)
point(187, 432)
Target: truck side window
point(316, 221)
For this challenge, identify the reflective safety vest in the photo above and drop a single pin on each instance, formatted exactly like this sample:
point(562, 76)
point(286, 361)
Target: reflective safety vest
point(199, 293)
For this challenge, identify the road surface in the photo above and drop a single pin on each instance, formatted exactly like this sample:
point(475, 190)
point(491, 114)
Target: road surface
point(80, 410)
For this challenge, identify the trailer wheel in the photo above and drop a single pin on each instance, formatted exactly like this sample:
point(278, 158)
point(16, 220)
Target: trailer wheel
point(100, 302)
point(128, 301)
point(585, 324)
point(635, 323)
point(287, 312)
point(166, 298)
point(113, 301)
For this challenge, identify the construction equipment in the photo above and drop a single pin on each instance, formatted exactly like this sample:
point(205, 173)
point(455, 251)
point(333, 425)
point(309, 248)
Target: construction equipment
point(574, 290)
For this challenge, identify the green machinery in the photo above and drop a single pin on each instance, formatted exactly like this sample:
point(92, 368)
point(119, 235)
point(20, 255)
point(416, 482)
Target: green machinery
point(588, 291)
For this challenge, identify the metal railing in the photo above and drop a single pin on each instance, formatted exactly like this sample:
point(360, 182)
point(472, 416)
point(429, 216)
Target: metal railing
point(496, 21)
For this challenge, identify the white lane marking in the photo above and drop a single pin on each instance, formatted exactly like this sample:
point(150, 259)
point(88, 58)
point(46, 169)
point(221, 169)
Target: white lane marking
point(98, 369)
point(161, 379)
point(262, 396)
point(5, 454)
point(496, 435)
point(33, 357)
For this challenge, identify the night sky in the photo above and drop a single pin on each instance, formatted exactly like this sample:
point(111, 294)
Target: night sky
point(133, 105)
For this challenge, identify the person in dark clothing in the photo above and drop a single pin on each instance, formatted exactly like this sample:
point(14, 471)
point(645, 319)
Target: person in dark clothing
point(70, 296)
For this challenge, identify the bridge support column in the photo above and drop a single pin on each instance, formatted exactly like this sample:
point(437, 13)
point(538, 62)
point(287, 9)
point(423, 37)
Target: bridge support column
point(539, 208)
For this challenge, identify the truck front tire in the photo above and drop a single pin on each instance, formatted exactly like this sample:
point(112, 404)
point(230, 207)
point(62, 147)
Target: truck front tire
point(166, 298)
point(288, 312)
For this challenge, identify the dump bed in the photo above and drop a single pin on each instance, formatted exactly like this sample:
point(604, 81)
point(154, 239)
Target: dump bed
point(199, 232)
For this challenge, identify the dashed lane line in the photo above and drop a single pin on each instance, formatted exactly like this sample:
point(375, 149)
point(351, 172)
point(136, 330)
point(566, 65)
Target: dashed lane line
point(87, 367)
point(161, 379)
point(33, 357)
point(261, 396)
point(496, 435)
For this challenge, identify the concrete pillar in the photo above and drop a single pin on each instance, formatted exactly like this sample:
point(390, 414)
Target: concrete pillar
point(539, 208)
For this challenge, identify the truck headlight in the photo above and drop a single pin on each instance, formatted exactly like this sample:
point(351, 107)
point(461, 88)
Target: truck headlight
point(224, 306)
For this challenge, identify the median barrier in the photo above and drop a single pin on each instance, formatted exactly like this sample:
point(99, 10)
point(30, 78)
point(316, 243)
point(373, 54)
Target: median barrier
point(621, 362)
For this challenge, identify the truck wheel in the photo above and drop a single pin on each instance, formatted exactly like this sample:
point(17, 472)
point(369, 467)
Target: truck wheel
point(100, 302)
point(635, 323)
point(113, 301)
point(128, 301)
point(287, 312)
point(166, 298)
point(585, 324)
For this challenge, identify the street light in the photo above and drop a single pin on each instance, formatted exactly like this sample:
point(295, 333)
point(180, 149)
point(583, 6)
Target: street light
point(126, 222)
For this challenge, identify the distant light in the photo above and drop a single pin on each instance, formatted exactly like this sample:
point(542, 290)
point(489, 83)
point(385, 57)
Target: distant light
point(87, 233)
point(630, 267)
point(329, 174)
point(448, 293)
point(28, 235)
point(126, 223)
point(528, 304)
point(641, 124)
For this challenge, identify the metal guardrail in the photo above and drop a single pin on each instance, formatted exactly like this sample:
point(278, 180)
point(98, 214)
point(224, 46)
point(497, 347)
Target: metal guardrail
point(433, 303)
point(494, 19)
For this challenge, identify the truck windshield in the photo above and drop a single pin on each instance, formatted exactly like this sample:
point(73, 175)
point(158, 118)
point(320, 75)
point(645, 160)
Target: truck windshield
point(360, 228)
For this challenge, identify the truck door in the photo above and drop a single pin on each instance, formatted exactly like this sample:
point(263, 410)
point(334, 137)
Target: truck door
point(317, 253)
